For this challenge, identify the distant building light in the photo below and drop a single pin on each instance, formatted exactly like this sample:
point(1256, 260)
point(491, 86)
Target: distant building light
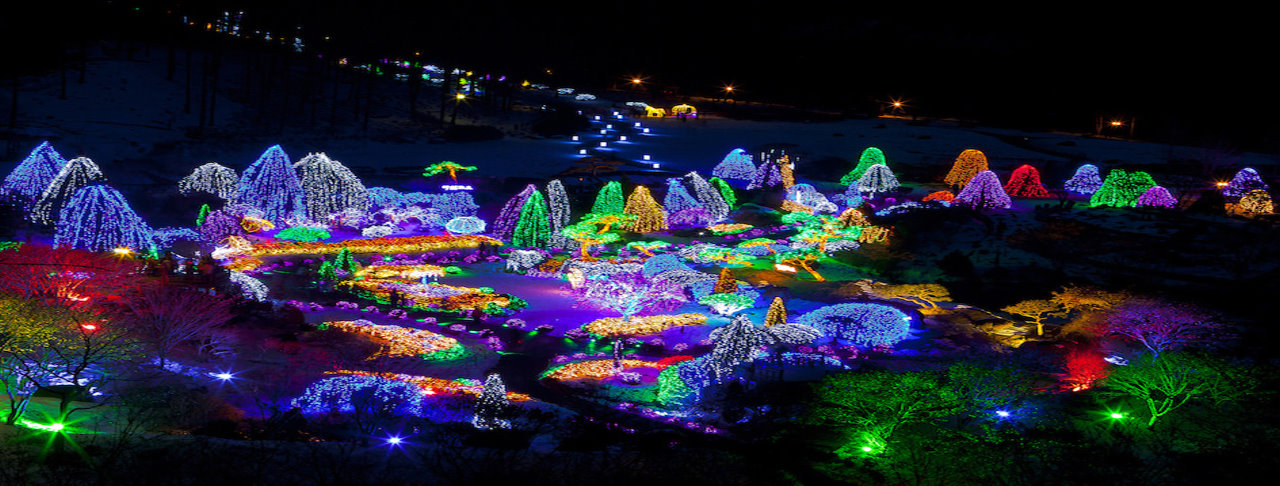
point(646, 156)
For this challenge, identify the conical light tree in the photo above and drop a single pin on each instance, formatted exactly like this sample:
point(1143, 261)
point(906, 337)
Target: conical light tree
point(777, 313)
point(1257, 202)
point(534, 227)
point(773, 173)
point(1025, 182)
point(710, 197)
point(271, 185)
point(1086, 180)
point(678, 198)
point(330, 187)
point(736, 165)
point(871, 156)
point(1244, 182)
point(79, 172)
point(984, 192)
point(1122, 189)
point(211, 178)
point(97, 218)
point(649, 215)
point(877, 179)
point(609, 199)
point(726, 192)
point(492, 405)
point(738, 342)
point(1157, 197)
point(560, 212)
point(505, 226)
point(27, 182)
point(967, 165)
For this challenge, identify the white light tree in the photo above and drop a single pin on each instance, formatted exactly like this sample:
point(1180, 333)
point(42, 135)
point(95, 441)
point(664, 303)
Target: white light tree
point(79, 172)
point(492, 405)
point(211, 178)
point(330, 187)
point(878, 179)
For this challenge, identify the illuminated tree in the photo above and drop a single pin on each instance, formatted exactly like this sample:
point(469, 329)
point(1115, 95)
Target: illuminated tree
point(609, 200)
point(862, 324)
point(803, 258)
point(1025, 182)
point(1156, 197)
point(726, 192)
point(505, 225)
point(939, 196)
point(727, 304)
point(587, 236)
point(877, 179)
point(738, 341)
point(984, 192)
point(1086, 180)
point(1167, 383)
point(211, 178)
point(167, 316)
point(271, 185)
point(345, 261)
point(649, 215)
point(777, 313)
point(607, 221)
point(1036, 311)
point(773, 173)
point(1085, 299)
point(558, 204)
point(808, 199)
point(725, 284)
point(384, 197)
point(447, 166)
point(27, 182)
point(329, 187)
point(1161, 326)
point(869, 406)
point(1082, 368)
point(1257, 202)
point(1121, 189)
point(870, 156)
point(202, 215)
point(79, 172)
point(630, 294)
point(62, 276)
point(367, 402)
point(25, 326)
point(708, 196)
point(534, 228)
point(736, 165)
point(97, 218)
point(926, 296)
point(967, 165)
point(492, 406)
point(678, 198)
point(1244, 182)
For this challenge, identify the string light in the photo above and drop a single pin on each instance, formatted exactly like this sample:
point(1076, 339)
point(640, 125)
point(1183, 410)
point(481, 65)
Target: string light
point(609, 199)
point(1025, 182)
point(534, 227)
point(1257, 202)
point(1086, 180)
point(983, 191)
point(967, 165)
point(1156, 197)
point(649, 215)
point(330, 187)
point(726, 192)
point(492, 405)
point(27, 182)
point(559, 212)
point(1244, 182)
point(401, 341)
point(863, 324)
point(642, 325)
point(877, 179)
point(678, 198)
point(271, 185)
point(79, 172)
point(736, 165)
point(210, 178)
point(97, 218)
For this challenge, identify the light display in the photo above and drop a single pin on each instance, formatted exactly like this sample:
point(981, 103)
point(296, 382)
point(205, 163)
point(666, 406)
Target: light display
point(330, 187)
point(689, 218)
point(521, 261)
point(678, 198)
point(673, 391)
point(940, 196)
point(587, 236)
point(862, 324)
point(79, 172)
point(492, 405)
point(97, 218)
point(250, 288)
point(803, 258)
point(662, 264)
point(1121, 189)
point(967, 165)
point(271, 185)
point(453, 204)
point(709, 196)
point(641, 325)
point(533, 228)
point(870, 156)
point(465, 225)
point(400, 341)
point(560, 213)
point(726, 192)
point(773, 173)
point(252, 224)
point(1025, 182)
point(736, 165)
point(505, 225)
point(852, 217)
point(630, 294)
point(379, 231)
point(1244, 182)
point(649, 215)
point(729, 228)
point(27, 182)
point(211, 178)
point(384, 197)
point(877, 179)
point(984, 192)
point(337, 394)
point(596, 369)
point(727, 304)
point(1156, 197)
point(804, 197)
point(1086, 180)
point(609, 200)
point(725, 284)
point(739, 341)
point(777, 313)
point(447, 166)
point(1257, 201)
point(647, 247)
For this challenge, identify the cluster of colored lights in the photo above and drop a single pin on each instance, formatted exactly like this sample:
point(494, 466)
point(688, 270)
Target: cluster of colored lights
point(412, 272)
point(642, 325)
point(385, 246)
point(401, 341)
point(430, 385)
point(597, 369)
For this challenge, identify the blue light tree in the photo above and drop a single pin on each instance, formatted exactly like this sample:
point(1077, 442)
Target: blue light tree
point(736, 165)
point(97, 218)
point(271, 185)
point(1086, 180)
point(28, 180)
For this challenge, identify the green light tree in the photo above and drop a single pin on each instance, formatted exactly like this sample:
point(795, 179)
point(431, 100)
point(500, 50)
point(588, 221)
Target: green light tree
point(870, 406)
point(587, 236)
point(534, 227)
point(609, 199)
point(1170, 381)
point(1122, 189)
point(803, 258)
point(870, 156)
point(447, 166)
point(726, 191)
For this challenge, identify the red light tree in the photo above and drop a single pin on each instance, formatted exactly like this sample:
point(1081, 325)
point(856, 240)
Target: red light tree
point(1025, 182)
point(62, 276)
point(1083, 367)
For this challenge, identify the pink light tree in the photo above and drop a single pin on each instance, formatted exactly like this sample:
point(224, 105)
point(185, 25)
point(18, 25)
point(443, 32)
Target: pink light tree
point(984, 192)
point(1161, 326)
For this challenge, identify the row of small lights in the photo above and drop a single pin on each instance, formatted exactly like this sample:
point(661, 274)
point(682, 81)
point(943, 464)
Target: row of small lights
point(621, 138)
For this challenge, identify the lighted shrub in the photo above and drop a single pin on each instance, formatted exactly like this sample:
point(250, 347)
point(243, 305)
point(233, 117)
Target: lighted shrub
point(863, 324)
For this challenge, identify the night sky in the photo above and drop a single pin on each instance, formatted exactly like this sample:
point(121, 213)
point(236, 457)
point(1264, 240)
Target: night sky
point(1194, 77)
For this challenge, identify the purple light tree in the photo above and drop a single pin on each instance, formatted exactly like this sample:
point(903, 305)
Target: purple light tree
point(28, 180)
point(1245, 181)
point(1086, 180)
point(509, 216)
point(1157, 197)
point(984, 192)
point(271, 185)
point(1161, 326)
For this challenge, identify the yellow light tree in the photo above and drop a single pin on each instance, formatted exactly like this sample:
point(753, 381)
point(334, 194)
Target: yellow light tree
point(649, 214)
point(968, 164)
point(1036, 311)
point(777, 313)
point(926, 296)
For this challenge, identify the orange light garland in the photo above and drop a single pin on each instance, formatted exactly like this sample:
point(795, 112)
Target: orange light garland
point(402, 341)
point(470, 299)
point(254, 225)
point(411, 272)
point(409, 244)
point(643, 325)
point(596, 369)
